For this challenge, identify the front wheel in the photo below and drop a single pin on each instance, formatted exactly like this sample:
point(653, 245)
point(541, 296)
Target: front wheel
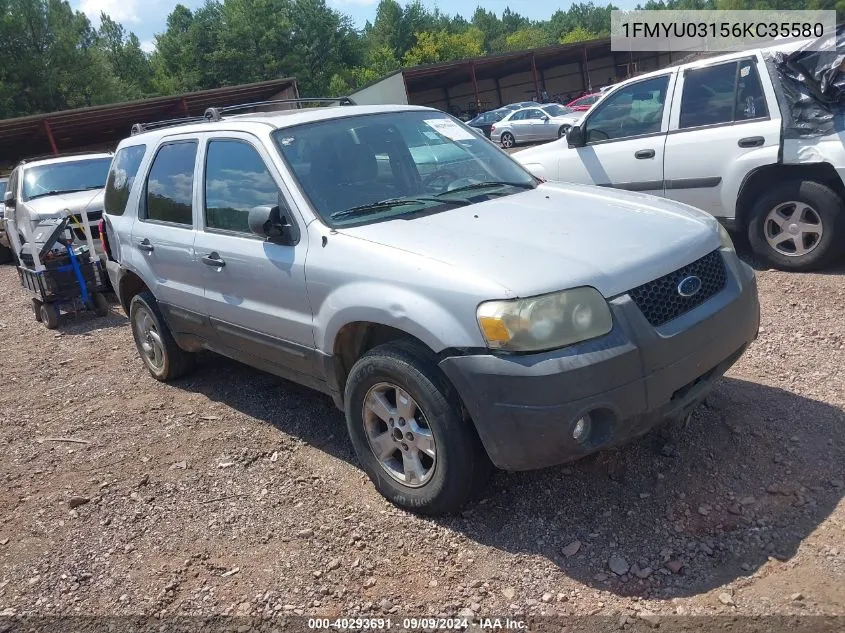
point(407, 429)
point(797, 225)
point(49, 315)
point(101, 304)
point(508, 140)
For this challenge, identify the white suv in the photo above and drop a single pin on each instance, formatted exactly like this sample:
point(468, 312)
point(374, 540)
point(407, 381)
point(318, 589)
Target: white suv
point(713, 134)
point(460, 312)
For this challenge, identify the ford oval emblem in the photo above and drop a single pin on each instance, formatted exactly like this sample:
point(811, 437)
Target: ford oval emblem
point(689, 286)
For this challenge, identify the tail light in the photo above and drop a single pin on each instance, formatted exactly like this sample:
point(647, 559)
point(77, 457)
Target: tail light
point(101, 226)
point(492, 129)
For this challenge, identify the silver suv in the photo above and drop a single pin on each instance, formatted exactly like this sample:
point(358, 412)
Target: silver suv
point(462, 315)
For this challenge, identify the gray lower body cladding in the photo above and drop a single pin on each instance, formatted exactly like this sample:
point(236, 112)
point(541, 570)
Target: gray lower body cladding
point(525, 407)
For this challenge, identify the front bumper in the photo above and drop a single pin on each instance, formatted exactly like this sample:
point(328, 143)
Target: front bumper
point(525, 406)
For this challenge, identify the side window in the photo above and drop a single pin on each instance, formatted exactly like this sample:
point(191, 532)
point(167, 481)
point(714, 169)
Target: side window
point(519, 116)
point(533, 114)
point(709, 95)
point(631, 111)
point(121, 177)
point(171, 182)
point(236, 180)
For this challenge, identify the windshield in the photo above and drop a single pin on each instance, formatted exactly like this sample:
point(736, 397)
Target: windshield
point(78, 175)
point(375, 167)
point(557, 110)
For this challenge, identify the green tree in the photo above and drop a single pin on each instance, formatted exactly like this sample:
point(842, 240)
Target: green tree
point(523, 39)
point(441, 46)
point(578, 34)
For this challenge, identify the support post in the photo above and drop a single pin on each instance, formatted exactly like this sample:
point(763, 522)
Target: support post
point(536, 80)
point(589, 84)
point(185, 107)
point(475, 88)
point(499, 92)
point(49, 131)
point(446, 97)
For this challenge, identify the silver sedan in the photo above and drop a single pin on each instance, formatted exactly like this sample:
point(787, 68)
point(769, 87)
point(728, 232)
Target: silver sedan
point(545, 122)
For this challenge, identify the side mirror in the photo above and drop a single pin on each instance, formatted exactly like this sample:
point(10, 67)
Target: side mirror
point(273, 225)
point(575, 136)
point(9, 198)
point(545, 117)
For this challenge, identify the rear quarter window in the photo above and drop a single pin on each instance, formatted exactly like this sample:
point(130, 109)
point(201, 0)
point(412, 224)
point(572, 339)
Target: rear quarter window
point(124, 169)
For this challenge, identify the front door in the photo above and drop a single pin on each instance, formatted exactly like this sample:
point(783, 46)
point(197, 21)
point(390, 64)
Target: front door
point(255, 291)
point(625, 139)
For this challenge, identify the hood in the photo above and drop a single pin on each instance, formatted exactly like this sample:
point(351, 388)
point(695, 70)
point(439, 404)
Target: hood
point(526, 155)
point(556, 237)
point(74, 202)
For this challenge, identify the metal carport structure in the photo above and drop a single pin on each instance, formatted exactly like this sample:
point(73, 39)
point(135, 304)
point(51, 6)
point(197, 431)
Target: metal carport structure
point(102, 127)
point(494, 80)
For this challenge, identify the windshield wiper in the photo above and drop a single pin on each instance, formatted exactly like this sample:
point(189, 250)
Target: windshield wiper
point(492, 183)
point(389, 203)
point(55, 192)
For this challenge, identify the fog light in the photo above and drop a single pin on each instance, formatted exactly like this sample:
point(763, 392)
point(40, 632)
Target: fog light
point(581, 430)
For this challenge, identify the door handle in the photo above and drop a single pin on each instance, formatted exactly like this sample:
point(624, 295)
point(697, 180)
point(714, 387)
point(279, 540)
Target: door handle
point(751, 141)
point(144, 245)
point(213, 259)
point(644, 153)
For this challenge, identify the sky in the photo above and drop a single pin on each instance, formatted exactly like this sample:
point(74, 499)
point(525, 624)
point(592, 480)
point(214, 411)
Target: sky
point(148, 17)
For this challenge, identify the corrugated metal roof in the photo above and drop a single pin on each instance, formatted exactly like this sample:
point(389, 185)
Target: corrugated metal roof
point(98, 126)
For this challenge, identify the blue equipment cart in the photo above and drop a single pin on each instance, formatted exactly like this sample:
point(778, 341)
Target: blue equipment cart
point(61, 276)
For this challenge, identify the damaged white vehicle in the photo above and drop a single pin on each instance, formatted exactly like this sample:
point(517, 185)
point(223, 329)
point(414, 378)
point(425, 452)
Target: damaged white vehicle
point(752, 138)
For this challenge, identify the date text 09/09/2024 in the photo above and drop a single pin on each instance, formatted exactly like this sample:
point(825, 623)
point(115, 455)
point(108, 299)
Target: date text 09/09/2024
point(725, 30)
point(414, 624)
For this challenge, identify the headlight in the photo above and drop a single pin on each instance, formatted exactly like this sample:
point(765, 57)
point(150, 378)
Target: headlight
point(727, 242)
point(546, 322)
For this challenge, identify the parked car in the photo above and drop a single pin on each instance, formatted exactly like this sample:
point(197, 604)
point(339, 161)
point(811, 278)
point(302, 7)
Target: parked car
point(40, 189)
point(459, 321)
point(520, 105)
point(531, 125)
point(582, 104)
point(486, 120)
point(708, 134)
point(5, 249)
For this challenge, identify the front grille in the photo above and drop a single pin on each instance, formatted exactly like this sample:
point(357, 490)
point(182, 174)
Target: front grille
point(660, 301)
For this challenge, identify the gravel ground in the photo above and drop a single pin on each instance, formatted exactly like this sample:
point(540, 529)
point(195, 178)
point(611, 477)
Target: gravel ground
point(234, 492)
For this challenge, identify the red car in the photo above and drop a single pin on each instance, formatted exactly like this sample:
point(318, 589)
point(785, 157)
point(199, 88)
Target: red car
point(582, 104)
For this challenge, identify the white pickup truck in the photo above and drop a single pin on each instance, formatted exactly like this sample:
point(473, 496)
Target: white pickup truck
point(737, 135)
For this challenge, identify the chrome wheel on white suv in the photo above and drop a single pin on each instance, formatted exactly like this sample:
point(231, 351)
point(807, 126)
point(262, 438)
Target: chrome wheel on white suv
point(793, 228)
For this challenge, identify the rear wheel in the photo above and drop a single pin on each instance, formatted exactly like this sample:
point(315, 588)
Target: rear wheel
point(406, 426)
point(49, 315)
point(164, 359)
point(508, 140)
point(798, 225)
point(36, 308)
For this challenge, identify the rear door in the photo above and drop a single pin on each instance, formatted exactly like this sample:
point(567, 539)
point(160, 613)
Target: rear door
point(255, 292)
point(721, 129)
point(625, 137)
point(520, 125)
point(163, 236)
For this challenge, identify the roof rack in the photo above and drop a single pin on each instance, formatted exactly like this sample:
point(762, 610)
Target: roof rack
point(216, 114)
point(138, 128)
point(89, 152)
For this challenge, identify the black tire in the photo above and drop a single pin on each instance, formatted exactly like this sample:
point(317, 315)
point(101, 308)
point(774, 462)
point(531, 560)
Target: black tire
point(101, 304)
point(176, 362)
point(563, 131)
point(36, 307)
point(826, 205)
point(508, 140)
point(462, 467)
point(6, 254)
point(49, 316)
